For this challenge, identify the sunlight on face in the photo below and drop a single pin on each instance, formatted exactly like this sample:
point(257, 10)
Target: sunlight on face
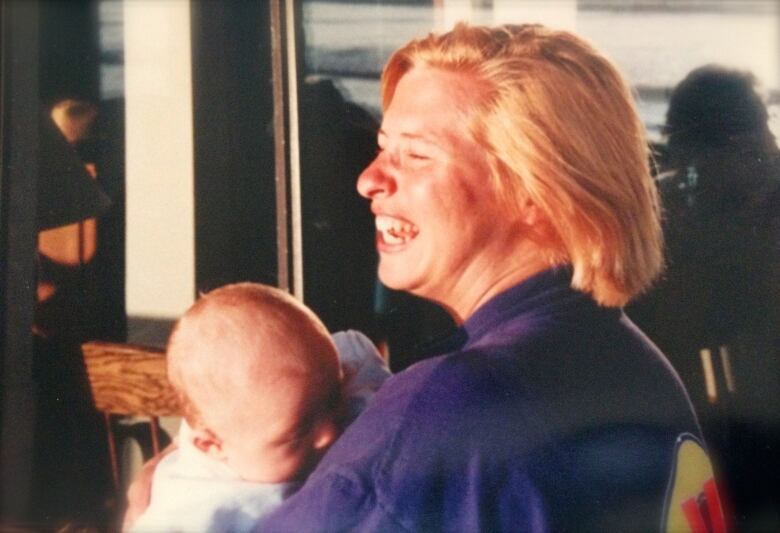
point(438, 226)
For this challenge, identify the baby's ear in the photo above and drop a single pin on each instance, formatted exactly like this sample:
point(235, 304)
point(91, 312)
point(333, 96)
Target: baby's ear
point(325, 434)
point(207, 442)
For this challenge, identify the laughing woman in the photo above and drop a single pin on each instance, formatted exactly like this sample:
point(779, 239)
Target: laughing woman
point(512, 187)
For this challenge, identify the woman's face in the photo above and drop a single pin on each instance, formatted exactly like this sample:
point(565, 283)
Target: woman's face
point(440, 233)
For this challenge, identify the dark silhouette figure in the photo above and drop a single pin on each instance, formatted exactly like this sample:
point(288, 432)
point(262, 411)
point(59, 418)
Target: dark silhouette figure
point(719, 177)
point(338, 140)
point(79, 299)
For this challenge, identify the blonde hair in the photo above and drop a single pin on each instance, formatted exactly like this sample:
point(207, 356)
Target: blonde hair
point(248, 331)
point(561, 131)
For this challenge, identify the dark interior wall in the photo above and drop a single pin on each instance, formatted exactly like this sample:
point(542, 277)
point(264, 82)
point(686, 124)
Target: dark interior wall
point(18, 199)
point(234, 169)
point(69, 53)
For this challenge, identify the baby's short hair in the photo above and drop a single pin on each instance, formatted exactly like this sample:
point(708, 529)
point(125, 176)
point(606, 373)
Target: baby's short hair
point(246, 333)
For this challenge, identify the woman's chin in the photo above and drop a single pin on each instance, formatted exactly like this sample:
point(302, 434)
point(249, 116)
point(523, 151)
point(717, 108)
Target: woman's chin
point(394, 276)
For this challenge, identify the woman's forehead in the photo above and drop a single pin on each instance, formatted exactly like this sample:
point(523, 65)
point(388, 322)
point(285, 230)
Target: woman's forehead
point(430, 90)
point(430, 104)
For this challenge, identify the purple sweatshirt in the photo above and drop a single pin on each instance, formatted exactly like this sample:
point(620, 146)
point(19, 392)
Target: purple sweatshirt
point(547, 412)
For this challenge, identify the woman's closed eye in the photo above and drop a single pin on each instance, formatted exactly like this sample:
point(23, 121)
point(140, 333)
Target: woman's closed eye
point(417, 156)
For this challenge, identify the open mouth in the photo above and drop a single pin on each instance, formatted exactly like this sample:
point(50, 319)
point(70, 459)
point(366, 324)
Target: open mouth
point(395, 231)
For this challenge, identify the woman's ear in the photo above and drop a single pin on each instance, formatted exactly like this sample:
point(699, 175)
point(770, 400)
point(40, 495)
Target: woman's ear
point(208, 442)
point(530, 214)
point(540, 230)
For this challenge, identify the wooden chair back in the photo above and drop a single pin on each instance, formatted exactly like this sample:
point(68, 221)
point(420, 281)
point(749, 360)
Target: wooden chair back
point(129, 380)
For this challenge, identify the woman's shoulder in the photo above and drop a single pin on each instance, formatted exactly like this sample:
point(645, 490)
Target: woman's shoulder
point(444, 378)
point(453, 397)
point(432, 396)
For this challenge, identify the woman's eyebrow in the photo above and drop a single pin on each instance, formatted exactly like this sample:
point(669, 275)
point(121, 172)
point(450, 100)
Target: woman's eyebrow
point(423, 136)
point(419, 137)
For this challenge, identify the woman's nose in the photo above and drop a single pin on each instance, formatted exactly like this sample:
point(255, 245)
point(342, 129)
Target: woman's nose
point(375, 181)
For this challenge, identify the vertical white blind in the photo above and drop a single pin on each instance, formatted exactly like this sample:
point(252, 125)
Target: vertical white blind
point(159, 143)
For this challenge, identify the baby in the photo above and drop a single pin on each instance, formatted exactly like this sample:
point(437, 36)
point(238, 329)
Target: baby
point(263, 396)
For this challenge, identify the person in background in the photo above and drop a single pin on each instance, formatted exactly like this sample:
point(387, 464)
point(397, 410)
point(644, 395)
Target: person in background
point(70, 481)
point(716, 313)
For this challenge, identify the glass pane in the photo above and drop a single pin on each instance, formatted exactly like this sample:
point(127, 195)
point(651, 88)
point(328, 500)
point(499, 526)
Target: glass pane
point(654, 43)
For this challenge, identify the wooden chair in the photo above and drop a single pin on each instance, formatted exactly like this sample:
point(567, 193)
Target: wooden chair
point(129, 380)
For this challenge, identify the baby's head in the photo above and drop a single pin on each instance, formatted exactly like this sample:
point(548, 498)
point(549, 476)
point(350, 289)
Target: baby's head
point(259, 381)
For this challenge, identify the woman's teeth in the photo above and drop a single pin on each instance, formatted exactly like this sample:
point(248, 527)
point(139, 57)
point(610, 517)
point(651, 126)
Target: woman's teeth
point(395, 230)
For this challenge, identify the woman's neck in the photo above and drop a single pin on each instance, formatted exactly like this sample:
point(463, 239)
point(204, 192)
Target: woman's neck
point(465, 300)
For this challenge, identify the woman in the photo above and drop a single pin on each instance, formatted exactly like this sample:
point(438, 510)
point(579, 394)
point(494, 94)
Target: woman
point(512, 187)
